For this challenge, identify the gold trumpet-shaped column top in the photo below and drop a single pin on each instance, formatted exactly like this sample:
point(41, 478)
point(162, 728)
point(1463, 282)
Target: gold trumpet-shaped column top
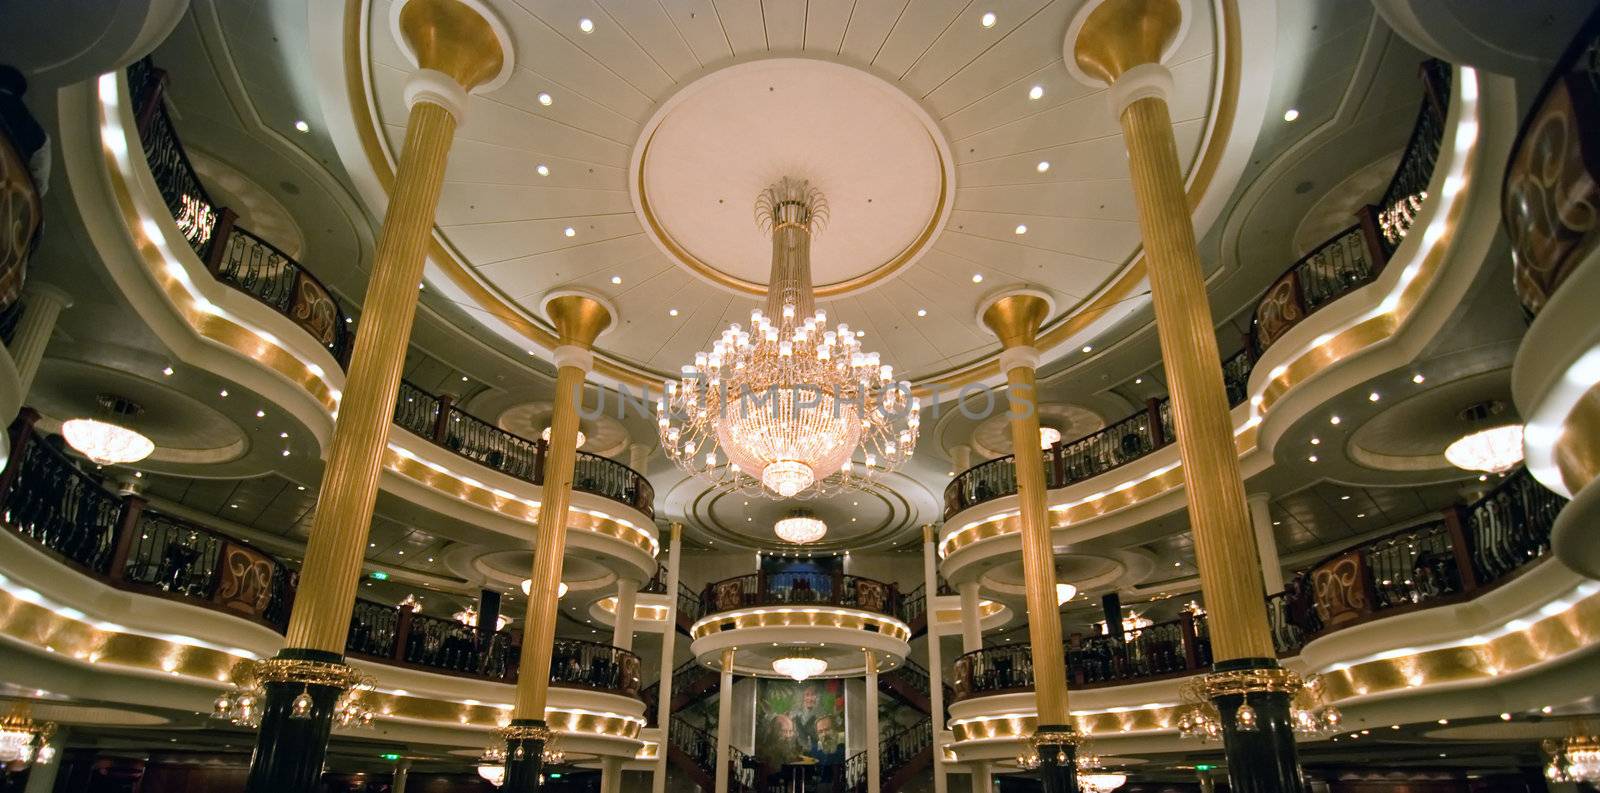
point(1016, 317)
point(456, 38)
point(1117, 35)
point(579, 319)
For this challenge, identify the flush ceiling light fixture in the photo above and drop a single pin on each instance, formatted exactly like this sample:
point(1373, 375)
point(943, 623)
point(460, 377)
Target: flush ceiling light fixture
point(785, 407)
point(561, 588)
point(1491, 449)
point(1064, 593)
point(111, 439)
point(1049, 436)
point(581, 437)
point(23, 740)
point(800, 528)
point(799, 667)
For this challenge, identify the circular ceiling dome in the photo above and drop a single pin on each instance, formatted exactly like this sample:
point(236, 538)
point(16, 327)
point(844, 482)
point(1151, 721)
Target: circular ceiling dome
point(1411, 433)
point(877, 157)
point(184, 429)
point(992, 436)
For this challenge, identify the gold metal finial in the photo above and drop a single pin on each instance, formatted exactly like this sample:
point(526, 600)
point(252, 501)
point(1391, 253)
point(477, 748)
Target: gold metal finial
point(579, 318)
point(791, 202)
point(1117, 35)
point(1015, 317)
point(455, 38)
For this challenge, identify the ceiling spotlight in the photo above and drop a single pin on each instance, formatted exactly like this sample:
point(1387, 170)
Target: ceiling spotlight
point(261, 414)
point(570, 231)
point(542, 170)
point(1316, 441)
point(977, 278)
point(922, 312)
point(1334, 420)
point(545, 99)
point(616, 279)
point(1036, 92)
point(586, 25)
point(1044, 165)
point(1021, 229)
point(1291, 114)
point(1087, 348)
point(167, 371)
point(672, 312)
point(1418, 378)
point(988, 19)
point(1374, 396)
point(1138, 380)
point(1312, 458)
point(302, 126)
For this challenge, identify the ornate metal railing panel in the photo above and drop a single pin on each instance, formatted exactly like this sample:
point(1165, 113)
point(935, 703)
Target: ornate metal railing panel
point(416, 410)
point(696, 744)
point(806, 589)
point(1403, 198)
point(1330, 271)
point(374, 630)
point(593, 665)
point(255, 267)
point(1510, 526)
point(49, 500)
point(1552, 182)
point(453, 646)
point(484, 443)
point(900, 748)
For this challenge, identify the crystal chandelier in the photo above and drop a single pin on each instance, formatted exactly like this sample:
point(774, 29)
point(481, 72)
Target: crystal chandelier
point(1101, 781)
point(492, 763)
point(1309, 714)
point(799, 667)
point(1488, 449)
point(111, 441)
point(561, 588)
point(788, 407)
point(242, 705)
point(22, 740)
point(581, 437)
point(1092, 777)
point(469, 616)
point(1132, 625)
point(1064, 593)
point(493, 774)
point(800, 528)
point(1048, 436)
point(1574, 759)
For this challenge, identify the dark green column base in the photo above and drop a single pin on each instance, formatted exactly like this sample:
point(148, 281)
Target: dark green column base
point(290, 752)
point(1264, 760)
point(524, 759)
point(1058, 762)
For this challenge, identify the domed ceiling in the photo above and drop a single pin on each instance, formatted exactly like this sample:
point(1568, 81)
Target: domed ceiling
point(624, 156)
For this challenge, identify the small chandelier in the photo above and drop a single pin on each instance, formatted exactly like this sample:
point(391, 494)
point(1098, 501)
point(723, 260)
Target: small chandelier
point(581, 437)
point(1048, 436)
point(788, 407)
point(1574, 759)
point(23, 740)
point(469, 617)
point(242, 705)
point(1491, 449)
point(109, 440)
point(561, 588)
point(1309, 714)
point(493, 774)
point(800, 528)
point(1132, 625)
point(1064, 593)
point(799, 667)
point(1101, 781)
point(1092, 776)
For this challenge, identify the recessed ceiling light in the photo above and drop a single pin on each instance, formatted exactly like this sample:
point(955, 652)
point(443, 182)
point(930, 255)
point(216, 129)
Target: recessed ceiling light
point(543, 170)
point(586, 25)
point(1088, 348)
point(1044, 165)
point(463, 378)
point(1138, 380)
point(1021, 229)
point(1312, 458)
point(616, 279)
point(167, 371)
point(285, 452)
point(570, 231)
point(302, 126)
point(1291, 114)
point(284, 435)
point(1344, 498)
point(1361, 514)
point(1373, 397)
point(672, 312)
point(1333, 420)
point(223, 392)
point(233, 506)
point(1036, 92)
point(988, 19)
point(1316, 441)
point(860, 334)
point(261, 414)
point(977, 278)
point(922, 312)
point(300, 487)
point(1418, 378)
point(545, 99)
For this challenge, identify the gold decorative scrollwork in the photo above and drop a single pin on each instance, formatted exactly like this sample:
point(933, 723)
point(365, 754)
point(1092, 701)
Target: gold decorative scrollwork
point(1551, 191)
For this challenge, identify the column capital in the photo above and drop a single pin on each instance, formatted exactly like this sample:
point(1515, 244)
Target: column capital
point(461, 39)
point(1259, 496)
point(1108, 38)
point(928, 534)
point(1015, 315)
point(1018, 358)
point(1145, 81)
point(436, 87)
point(580, 318)
point(39, 290)
point(677, 530)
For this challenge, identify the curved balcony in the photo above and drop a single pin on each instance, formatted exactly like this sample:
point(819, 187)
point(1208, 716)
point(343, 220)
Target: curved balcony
point(802, 589)
point(1350, 260)
point(47, 498)
point(246, 263)
point(1467, 551)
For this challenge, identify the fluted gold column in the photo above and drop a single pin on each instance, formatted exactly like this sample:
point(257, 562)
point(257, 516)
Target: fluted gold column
point(930, 584)
point(456, 50)
point(579, 320)
point(669, 639)
point(1120, 44)
point(874, 757)
point(1015, 318)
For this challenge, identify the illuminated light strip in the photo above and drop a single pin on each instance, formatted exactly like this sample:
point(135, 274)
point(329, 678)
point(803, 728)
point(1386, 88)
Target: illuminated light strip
point(651, 613)
point(27, 595)
point(1381, 322)
point(712, 624)
point(1547, 427)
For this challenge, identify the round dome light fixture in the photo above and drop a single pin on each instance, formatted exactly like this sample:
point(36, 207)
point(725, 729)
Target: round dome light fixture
point(1064, 593)
point(1049, 436)
point(469, 617)
point(493, 774)
point(800, 528)
point(1101, 781)
point(1490, 449)
point(581, 437)
point(561, 588)
point(799, 667)
point(110, 440)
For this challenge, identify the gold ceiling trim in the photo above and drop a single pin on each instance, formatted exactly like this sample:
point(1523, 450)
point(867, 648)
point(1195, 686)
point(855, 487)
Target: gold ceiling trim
point(800, 616)
point(497, 305)
point(1577, 452)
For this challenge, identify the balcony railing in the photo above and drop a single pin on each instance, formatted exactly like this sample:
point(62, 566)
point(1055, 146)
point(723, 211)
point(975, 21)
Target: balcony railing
point(1468, 550)
point(801, 589)
point(49, 499)
point(1552, 181)
point(249, 264)
point(1351, 259)
point(898, 751)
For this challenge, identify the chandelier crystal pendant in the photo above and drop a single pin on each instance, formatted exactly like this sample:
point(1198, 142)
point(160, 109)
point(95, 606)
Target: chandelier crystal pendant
point(111, 439)
point(23, 740)
point(468, 616)
point(799, 667)
point(1574, 759)
point(800, 528)
point(788, 407)
point(1490, 449)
